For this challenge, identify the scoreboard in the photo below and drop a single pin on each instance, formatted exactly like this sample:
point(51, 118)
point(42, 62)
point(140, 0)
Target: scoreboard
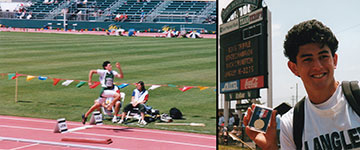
point(244, 53)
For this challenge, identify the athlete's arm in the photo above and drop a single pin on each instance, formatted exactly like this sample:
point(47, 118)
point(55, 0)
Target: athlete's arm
point(90, 76)
point(120, 75)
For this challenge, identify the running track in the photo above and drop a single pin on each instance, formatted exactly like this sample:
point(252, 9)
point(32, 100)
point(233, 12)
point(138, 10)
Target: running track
point(20, 133)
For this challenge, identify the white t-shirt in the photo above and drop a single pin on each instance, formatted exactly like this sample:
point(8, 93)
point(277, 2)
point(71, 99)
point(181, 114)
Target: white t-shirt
point(140, 96)
point(330, 125)
point(102, 77)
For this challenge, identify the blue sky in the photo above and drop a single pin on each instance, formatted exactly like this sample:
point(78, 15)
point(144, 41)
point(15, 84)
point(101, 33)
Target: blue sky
point(343, 19)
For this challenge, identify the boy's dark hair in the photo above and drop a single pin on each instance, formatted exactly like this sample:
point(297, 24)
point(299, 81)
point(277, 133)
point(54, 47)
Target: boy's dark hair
point(105, 64)
point(311, 31)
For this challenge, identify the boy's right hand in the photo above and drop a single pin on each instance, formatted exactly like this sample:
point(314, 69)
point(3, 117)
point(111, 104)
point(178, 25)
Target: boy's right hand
point(268, 140)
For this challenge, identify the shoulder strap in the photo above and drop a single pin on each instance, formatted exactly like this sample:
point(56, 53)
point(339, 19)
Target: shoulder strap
point(352, 94)
point(298, 123)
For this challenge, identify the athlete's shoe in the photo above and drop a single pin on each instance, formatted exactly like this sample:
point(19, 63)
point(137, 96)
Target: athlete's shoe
point(121, 121)
point(143, 122)
point(83, 119)
point(114, 120)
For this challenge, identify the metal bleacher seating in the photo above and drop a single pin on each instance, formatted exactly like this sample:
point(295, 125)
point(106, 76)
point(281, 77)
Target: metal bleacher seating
point(40, 9)
point(133, 9)
point(182, 11)
point(155, 11)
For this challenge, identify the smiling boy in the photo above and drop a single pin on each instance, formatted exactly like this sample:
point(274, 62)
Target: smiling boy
point(329, 120)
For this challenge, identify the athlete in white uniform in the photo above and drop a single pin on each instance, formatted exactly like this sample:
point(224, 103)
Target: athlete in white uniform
point(106, 78)
point(329, 121)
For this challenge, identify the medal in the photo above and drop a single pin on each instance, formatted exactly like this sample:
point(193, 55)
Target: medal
point(259, 124)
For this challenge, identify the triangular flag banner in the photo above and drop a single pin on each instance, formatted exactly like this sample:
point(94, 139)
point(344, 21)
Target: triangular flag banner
point(80, 84)
point(42, 78)
point(11, 76)
point(185, 88)
point(171, 85)
point(202, 88)
point(16, 75)
point(94, 85)
point(56, 81)
point(67, 82)
point(123, 85)
point(153, 87)
point(28, 78)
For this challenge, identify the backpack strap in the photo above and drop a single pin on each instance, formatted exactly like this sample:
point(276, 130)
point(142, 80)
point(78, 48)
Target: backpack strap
point(352, 94)
point(351, 91)
point(298, 123)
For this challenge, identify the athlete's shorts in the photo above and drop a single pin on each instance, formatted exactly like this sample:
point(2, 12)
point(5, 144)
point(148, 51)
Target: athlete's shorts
point(102, 100)
point(106, 95)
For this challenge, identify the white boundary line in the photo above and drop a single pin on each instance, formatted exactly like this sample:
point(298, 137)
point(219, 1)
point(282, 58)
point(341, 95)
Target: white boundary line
point(148, 130)
point(114, 136)
point(57, 143)
point(25, 146)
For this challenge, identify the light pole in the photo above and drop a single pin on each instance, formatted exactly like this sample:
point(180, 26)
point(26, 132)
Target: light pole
point(296, 94)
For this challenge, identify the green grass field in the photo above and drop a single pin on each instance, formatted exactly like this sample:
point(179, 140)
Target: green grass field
point(190, 62)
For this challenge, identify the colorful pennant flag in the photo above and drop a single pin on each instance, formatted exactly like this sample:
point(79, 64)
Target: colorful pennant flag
point(185, 88)
point(16, 75)
point(42, 78)
point(28, 78)
point(94, 85)
point(10, 76)
point(202, 88)
point(67, 82)
point(80, 84)
point(171, 85)
point(153, 87)
point(123, 85)
point(56, 81)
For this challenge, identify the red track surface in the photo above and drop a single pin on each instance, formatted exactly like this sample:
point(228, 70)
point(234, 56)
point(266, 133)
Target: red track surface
point(19, 133)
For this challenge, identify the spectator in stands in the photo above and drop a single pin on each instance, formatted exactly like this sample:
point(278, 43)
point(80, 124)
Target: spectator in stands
point(139, 97)
point(100, 12)
point(46, 2)
point(187, 16)
point(84, 3)
point(79, 15)
point(125, 17)
point(29, 16)
point(142, 16)
point(56, 2)
point(22, 15)
point(117, 17)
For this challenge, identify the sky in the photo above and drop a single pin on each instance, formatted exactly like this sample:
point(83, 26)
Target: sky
point(342, 17)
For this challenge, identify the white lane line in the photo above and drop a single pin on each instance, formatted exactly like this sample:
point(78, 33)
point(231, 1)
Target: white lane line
point(21, 147)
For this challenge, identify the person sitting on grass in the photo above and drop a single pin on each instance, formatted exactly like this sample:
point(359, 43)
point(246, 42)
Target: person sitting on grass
point(106, 78)
point(139, 97)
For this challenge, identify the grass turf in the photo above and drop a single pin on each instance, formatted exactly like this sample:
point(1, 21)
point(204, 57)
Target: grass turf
point(190, 62)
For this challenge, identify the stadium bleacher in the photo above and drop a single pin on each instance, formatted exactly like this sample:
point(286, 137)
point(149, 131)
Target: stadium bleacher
point(40, 9)
point(180, 12)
